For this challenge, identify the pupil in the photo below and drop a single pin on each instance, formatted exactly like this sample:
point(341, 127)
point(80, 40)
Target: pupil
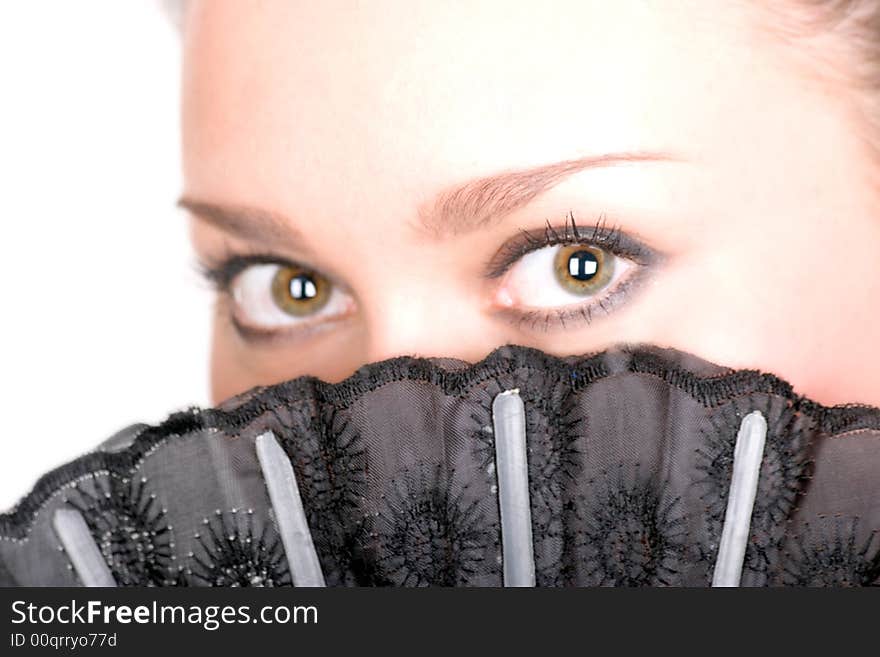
point(303, 287)
point(582, 265)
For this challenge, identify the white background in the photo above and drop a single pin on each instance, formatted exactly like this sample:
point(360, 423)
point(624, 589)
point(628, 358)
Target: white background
point(103, 321)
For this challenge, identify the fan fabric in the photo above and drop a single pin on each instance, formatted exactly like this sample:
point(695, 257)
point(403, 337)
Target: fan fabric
point(627, 467)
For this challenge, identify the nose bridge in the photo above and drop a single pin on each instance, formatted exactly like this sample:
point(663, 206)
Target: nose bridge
point(404, 323)
point(407, 321)
point(415, 299)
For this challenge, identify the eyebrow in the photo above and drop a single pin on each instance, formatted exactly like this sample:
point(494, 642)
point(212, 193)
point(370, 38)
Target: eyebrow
point(456, 211)
point(248, 223)
point(485, 201)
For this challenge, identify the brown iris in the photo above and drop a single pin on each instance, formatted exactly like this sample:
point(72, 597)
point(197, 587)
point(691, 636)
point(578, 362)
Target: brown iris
point(298, 291)
point(583, 270)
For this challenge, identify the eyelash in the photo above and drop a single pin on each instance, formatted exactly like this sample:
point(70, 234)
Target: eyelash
point(548, 319)
point(612, 239)
point(599, 234)
point(220, 272)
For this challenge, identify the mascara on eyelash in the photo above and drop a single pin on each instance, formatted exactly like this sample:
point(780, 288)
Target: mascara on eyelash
point(612, 239)
point(221, 272)
point(545, 320)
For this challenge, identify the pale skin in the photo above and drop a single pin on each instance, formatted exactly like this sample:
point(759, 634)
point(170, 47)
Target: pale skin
point(693, 130)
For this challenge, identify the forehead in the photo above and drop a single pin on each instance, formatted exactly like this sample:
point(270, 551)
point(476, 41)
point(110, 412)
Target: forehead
point(303, 98)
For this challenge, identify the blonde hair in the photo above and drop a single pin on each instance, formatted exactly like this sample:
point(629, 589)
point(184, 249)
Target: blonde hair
point(841, 39)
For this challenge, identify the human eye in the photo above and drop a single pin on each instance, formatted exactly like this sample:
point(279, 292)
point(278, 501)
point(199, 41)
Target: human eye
point(558, 277)
point(270, 297)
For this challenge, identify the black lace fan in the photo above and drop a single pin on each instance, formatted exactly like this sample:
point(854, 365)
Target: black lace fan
point(636, 467)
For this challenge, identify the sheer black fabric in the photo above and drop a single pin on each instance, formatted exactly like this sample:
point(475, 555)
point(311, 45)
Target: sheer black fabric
point(629, 461)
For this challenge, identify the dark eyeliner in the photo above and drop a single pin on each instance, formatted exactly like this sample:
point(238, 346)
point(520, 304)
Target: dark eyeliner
point(612, 239)
point(221, 272)
point(546, 318)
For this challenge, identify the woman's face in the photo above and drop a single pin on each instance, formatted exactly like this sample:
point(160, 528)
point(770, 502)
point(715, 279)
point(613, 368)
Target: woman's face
point(375, 179)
